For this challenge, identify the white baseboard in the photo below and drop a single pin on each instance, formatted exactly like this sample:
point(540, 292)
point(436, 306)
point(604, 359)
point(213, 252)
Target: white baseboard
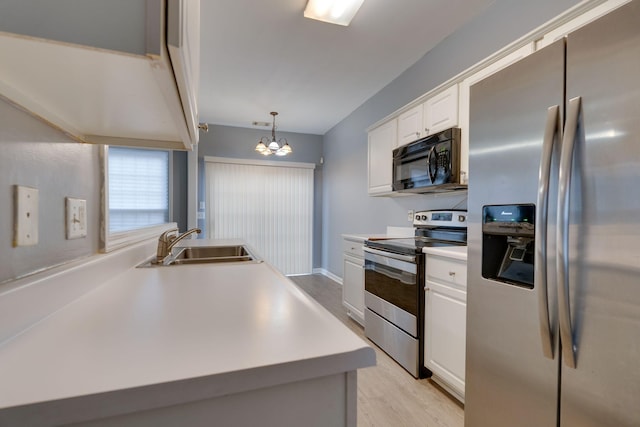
point(328, 274)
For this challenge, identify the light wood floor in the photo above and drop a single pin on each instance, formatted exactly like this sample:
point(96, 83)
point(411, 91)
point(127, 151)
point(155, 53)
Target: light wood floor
point(387, 395)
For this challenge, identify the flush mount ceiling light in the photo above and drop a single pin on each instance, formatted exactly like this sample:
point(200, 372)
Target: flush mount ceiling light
point(339, 12)
point(272, 146)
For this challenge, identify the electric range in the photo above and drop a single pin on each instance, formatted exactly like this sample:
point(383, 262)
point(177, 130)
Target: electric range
point(394, 285)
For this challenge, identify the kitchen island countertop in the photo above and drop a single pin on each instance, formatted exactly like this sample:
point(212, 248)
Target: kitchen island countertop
point(153, 337)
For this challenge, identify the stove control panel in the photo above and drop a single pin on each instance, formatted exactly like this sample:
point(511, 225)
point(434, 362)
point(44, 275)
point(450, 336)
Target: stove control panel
point(440, 219)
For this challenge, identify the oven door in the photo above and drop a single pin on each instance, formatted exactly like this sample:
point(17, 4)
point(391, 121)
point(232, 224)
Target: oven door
point(391, 288)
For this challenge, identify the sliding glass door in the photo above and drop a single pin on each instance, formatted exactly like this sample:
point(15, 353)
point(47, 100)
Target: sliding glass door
point(268, 204)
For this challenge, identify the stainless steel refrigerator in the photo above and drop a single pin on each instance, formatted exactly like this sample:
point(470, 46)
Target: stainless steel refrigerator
point(553, 316)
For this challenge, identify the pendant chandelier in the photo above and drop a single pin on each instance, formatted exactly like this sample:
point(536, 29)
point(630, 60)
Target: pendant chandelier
point(268, 147)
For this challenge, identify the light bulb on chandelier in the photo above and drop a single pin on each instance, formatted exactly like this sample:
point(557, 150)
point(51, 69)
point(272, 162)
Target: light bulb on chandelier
point(268, 146)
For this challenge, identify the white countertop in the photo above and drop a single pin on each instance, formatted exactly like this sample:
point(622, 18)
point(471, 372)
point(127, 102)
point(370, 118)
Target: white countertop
point(456, 252)
point(149, 327)
point(363, 237)
point(392, 233)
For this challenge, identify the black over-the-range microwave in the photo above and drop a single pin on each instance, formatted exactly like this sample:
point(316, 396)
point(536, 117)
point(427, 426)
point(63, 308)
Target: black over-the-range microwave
point(430, 164)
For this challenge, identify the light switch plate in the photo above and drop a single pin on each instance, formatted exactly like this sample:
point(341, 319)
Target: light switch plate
point(76, 218)
point(25, 223)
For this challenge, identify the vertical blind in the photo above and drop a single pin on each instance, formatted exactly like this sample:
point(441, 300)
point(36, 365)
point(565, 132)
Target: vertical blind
point(138, 188)
point(270, 207)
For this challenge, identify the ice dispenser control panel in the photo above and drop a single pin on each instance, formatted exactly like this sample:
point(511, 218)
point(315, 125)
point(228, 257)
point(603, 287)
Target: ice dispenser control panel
point(508, 244)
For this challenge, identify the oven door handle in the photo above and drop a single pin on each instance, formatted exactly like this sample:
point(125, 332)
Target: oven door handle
point(405, 258)
point(385, 262)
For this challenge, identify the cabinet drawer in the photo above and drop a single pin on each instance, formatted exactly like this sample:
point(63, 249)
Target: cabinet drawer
point(448, 270)
point(353, 248)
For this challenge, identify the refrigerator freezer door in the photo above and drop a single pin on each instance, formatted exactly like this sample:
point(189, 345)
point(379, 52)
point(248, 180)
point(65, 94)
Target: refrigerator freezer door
point(603, 67)
point(509, 381)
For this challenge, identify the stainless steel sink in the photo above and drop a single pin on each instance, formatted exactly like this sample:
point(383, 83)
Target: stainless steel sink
point(200, 254)
point(206, 254)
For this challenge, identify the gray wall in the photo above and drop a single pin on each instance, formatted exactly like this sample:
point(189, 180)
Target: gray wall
point(179, 189)
point(35, 155)
point(346, 206)
point(240, 143)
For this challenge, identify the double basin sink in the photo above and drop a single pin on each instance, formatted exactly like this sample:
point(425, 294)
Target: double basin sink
point(205, 255)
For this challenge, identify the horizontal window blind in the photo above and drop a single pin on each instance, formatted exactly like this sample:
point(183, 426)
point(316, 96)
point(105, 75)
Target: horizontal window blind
point(138, 188)
point(269, 207)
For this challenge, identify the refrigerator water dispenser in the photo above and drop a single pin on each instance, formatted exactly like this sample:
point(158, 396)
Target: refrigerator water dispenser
point(508, 244)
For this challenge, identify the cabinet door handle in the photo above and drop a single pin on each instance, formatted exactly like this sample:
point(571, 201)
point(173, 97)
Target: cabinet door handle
point(418, 134)
point(426, 130)
point(452, 273)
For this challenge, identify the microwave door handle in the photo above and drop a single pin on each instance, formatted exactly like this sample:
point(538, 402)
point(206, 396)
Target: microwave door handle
point(551, 133)
point(432, 175)
point(562, 238)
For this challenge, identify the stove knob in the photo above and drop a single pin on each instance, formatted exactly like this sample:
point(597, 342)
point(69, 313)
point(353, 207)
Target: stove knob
point(424, 217)
point(417, 217)
point(462, 218)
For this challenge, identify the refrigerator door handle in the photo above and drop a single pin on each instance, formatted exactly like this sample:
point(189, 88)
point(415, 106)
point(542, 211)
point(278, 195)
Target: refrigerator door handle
point(551, 132)
point(562, 264)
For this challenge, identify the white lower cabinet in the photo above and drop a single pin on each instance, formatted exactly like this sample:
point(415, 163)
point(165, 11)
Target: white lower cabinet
point(353, 279)
point(445, 322)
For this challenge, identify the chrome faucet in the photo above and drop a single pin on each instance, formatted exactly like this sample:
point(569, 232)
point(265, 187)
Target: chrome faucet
point(168, 239)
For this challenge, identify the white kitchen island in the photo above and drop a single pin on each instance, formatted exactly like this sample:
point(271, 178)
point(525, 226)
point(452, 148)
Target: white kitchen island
point(189, 345)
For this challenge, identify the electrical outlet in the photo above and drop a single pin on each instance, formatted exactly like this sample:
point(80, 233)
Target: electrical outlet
point(410, 215)
point(25, 216)
point(76, 218)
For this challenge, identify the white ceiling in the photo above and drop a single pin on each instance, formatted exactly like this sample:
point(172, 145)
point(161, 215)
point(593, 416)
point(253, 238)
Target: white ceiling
point(259, 56)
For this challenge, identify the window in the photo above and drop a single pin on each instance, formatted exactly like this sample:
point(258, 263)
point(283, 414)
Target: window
point(137, 194)
point(138, 188)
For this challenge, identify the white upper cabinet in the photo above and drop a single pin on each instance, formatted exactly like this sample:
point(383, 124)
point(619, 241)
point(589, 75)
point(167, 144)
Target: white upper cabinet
point(183, 42)
point(120, 73)
point(382, 141)
point(440, 112)
point(410, 125)
point(437, 113)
